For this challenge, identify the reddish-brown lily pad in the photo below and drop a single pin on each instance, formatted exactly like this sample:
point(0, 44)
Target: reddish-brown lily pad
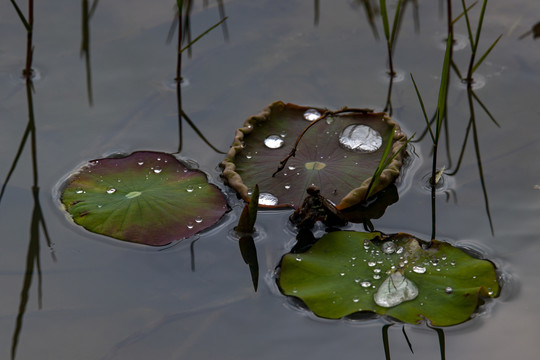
point(147, 197)
point(338, 154)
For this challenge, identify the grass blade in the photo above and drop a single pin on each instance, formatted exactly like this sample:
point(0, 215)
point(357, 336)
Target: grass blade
point(423, 108)
point(483, 57)
point(384, 16)
point(463, 13)
point(203, 34)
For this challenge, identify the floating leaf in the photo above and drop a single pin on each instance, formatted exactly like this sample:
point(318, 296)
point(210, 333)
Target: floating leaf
point(339, 154)
point(348, 272)
point(147, 197)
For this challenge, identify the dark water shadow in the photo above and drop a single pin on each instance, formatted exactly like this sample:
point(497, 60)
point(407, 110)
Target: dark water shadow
point(87, 13)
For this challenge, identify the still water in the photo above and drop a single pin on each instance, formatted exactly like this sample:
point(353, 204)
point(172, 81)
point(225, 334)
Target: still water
point(101, 299)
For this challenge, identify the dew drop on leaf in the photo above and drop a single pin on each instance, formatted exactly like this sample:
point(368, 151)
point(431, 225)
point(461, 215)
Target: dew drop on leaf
point(267, 199)
point(273, 142)
point(394, 290)
point(311, 115)
point(360, 138)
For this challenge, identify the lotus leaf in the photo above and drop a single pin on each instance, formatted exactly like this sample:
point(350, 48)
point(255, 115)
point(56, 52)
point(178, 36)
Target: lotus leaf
point(147, 197)
point(398, 276)
point(338, 154)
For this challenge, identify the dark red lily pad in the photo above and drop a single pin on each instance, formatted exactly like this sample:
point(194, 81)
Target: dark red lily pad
point(339, 155)
point(147, 197)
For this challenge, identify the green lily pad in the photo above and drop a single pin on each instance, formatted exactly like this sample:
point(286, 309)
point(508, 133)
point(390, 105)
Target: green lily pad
point(147, 197)
point(348, 272)
point(338, 155)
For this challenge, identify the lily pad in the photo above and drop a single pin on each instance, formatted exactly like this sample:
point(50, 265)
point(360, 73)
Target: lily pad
point(349, 272)
point(338, 154)
point(147, 197)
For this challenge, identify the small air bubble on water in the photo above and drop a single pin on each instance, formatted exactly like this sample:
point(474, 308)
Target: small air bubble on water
point(360, 138)
point(273, 142)
point(267, 199)
point(311, 115)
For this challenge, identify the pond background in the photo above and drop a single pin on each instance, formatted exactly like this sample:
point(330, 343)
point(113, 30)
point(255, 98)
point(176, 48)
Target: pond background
point(102, 299)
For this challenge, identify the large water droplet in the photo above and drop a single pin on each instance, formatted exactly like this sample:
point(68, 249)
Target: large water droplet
point(360, 138)
point(419, 269)
point(273, 142)
point(389, 247)
point(157, 169)
point(311, 115)
point(394, 290)
point(189, 188)
point(198, 219)
point(267, 199)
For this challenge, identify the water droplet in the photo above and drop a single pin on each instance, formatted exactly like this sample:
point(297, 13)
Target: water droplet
point(371, 263)
point(283, 134)
point(448, 290)
point(389, 247)
point(453, 262)
point(342, 274)
point(273, 142)
point(355, 300)
point(329, 120)
point(267, 199)
point(140, 163)
point(376, 271)
point(298, 258)
point(365, 284)
point(189, 188)
point(248, 155)
point(157, 169)
point(394, 290)
point(190, 225)
point(198, 219)
point(99, 206)
point(292, 167)
point(400, 250)
point(287, 186)
point(111, 191)
point(311, 115)
point(79, 191)
point(419, 269)
point(376, 276)
point(360, 138)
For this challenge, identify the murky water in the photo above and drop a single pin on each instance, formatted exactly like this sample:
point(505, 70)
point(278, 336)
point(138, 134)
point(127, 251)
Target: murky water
point(100, 299)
